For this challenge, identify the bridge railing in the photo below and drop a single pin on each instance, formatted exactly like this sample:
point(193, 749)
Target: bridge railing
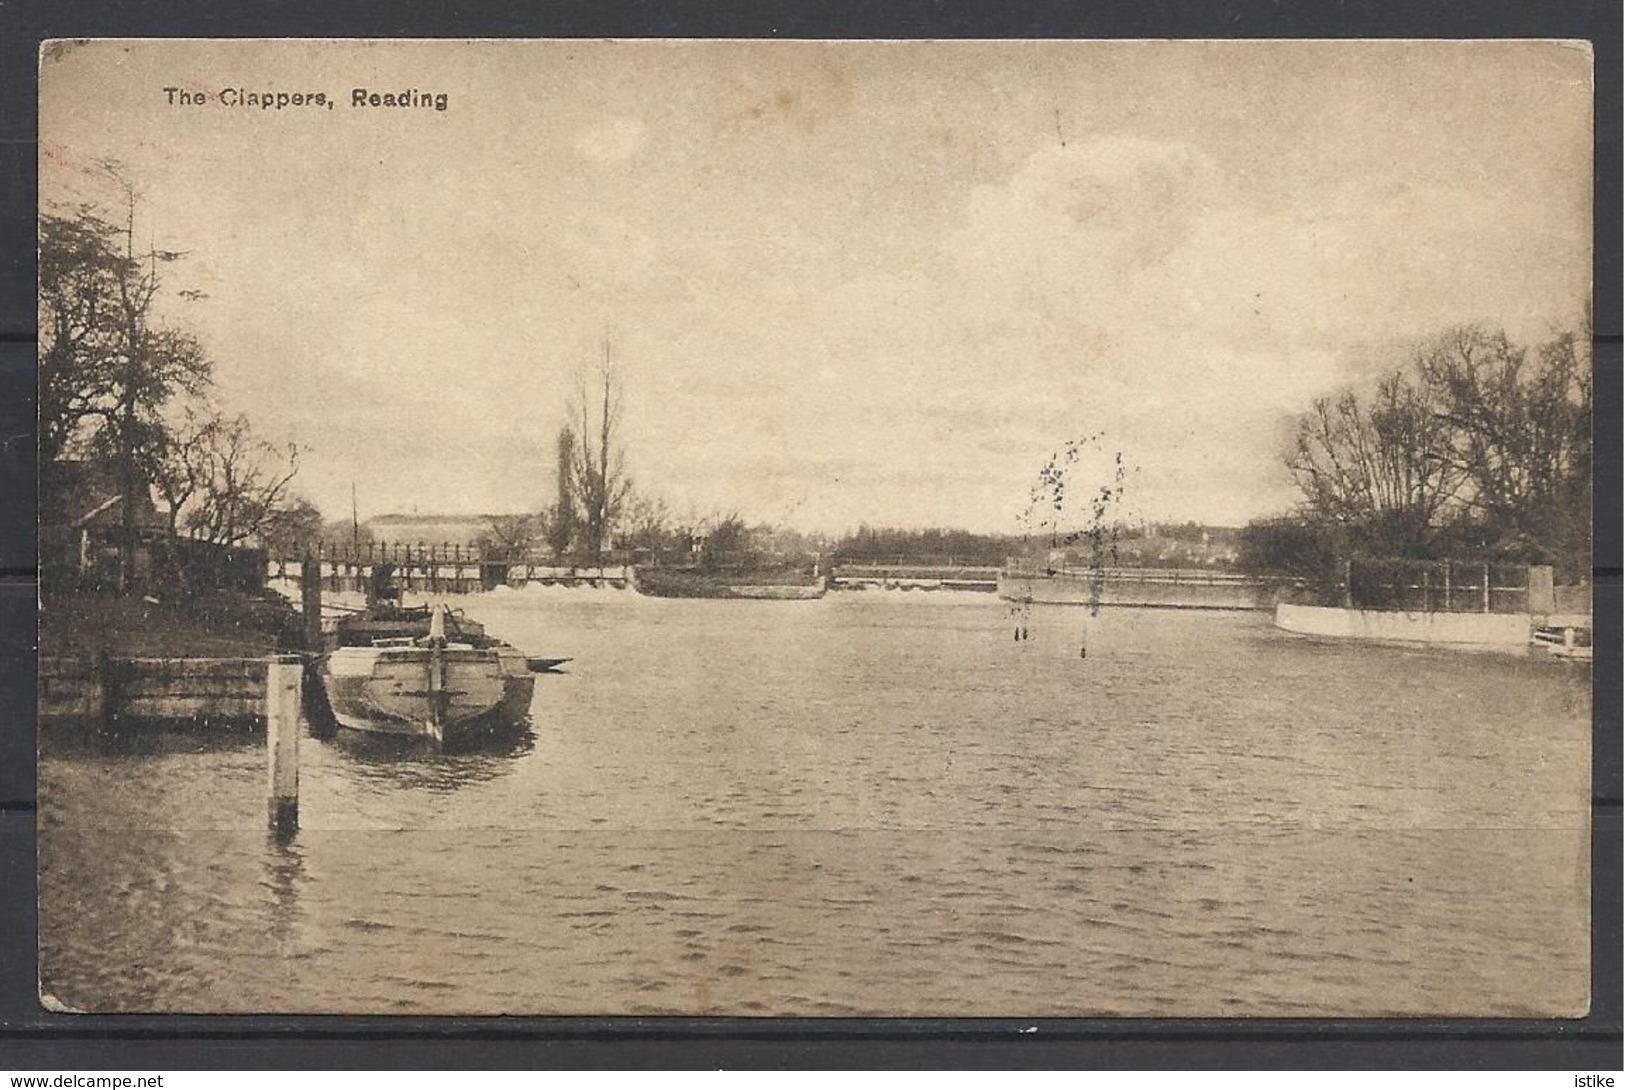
point(1207, 577)
point(1437, 586)
point(387, 552)
point(912, 571)
point(419, 553)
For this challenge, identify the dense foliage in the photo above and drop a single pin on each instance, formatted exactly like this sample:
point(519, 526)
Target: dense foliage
point(1479, 447)
point(936, 546)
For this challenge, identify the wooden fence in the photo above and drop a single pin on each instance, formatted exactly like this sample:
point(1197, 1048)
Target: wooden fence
point(1436, 586)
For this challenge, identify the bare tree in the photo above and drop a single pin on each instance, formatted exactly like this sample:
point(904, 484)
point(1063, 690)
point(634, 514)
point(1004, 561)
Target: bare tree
point(598, 473)
point(648, 523)
point(178, 463)
point(106, 368)
point(1519, 426)
point(1383, 470)
point(243, 485)
point(154, 363)
point(79, 269)
point(510, 537)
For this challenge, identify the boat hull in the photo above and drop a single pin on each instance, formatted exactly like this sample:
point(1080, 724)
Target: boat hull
point(776, 592)
point(419, 692)
point(686, 583)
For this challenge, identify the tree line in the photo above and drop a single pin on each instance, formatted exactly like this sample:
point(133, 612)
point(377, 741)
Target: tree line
point(1475, 448)
point(597, 515)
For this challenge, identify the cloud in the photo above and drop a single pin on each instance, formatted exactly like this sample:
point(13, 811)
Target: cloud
point(1077, 215)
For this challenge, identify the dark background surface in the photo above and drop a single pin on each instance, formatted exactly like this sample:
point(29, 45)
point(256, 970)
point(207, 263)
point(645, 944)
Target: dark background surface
point(31, 1038)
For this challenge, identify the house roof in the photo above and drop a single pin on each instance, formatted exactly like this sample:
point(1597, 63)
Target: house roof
point(87, 493)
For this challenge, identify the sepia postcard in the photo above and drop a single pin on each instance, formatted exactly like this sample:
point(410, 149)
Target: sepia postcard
point(824, 528)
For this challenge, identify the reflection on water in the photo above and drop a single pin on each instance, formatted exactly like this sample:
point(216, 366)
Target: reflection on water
point(284, 879)
point(864, 806)
point(417, 763)
point(86, 739)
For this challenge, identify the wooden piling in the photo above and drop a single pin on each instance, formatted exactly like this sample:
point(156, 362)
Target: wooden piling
point(310, 600)
point(282, 696)
point(102, 710)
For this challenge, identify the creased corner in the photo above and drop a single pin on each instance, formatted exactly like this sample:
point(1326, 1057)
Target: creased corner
point(57, 1006)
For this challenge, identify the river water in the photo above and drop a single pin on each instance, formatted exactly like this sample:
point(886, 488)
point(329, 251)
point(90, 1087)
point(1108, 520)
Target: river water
point(875, 804)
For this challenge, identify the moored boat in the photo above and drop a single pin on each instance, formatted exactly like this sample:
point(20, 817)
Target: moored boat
point(1565, 637)
point(692, 583)
point(424, 673)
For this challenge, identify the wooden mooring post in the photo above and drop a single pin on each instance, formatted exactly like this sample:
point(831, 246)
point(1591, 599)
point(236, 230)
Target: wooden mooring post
point(102, 705)
point(282, 696)
point(310, 600)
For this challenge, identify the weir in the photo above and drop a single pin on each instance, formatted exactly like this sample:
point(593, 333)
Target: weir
point(1150, 588)
point(908, 576)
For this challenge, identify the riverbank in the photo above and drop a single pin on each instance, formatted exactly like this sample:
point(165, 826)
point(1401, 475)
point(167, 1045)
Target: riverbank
point(213, 625)
point(1496, 631)
point(190, 661)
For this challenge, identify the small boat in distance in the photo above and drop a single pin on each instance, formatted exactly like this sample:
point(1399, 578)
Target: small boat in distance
point(425, 672)
point(694, 583)
point(1565, 637)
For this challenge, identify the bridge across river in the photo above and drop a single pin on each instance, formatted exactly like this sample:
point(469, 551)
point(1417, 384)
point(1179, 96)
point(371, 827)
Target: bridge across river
point(1181, 588)
point(458, 569)
point(913, 576)
point(440, 569)
point(1162, 588)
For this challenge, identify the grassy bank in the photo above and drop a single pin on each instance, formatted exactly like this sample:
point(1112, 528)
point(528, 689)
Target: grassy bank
point(215, 625)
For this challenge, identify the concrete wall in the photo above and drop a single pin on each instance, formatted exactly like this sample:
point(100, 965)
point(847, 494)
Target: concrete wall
point(1510, 630)
point(169, 690)
point(1152, 590)
point(72, 688)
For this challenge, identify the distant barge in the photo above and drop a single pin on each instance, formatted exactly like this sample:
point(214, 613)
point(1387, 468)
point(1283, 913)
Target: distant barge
point(693, 583)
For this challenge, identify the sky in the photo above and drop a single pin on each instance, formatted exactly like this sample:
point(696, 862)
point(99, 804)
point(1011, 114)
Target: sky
point(842, 283)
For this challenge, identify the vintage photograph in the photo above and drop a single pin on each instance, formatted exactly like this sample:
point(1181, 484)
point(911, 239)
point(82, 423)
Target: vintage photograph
point(1016, 529)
